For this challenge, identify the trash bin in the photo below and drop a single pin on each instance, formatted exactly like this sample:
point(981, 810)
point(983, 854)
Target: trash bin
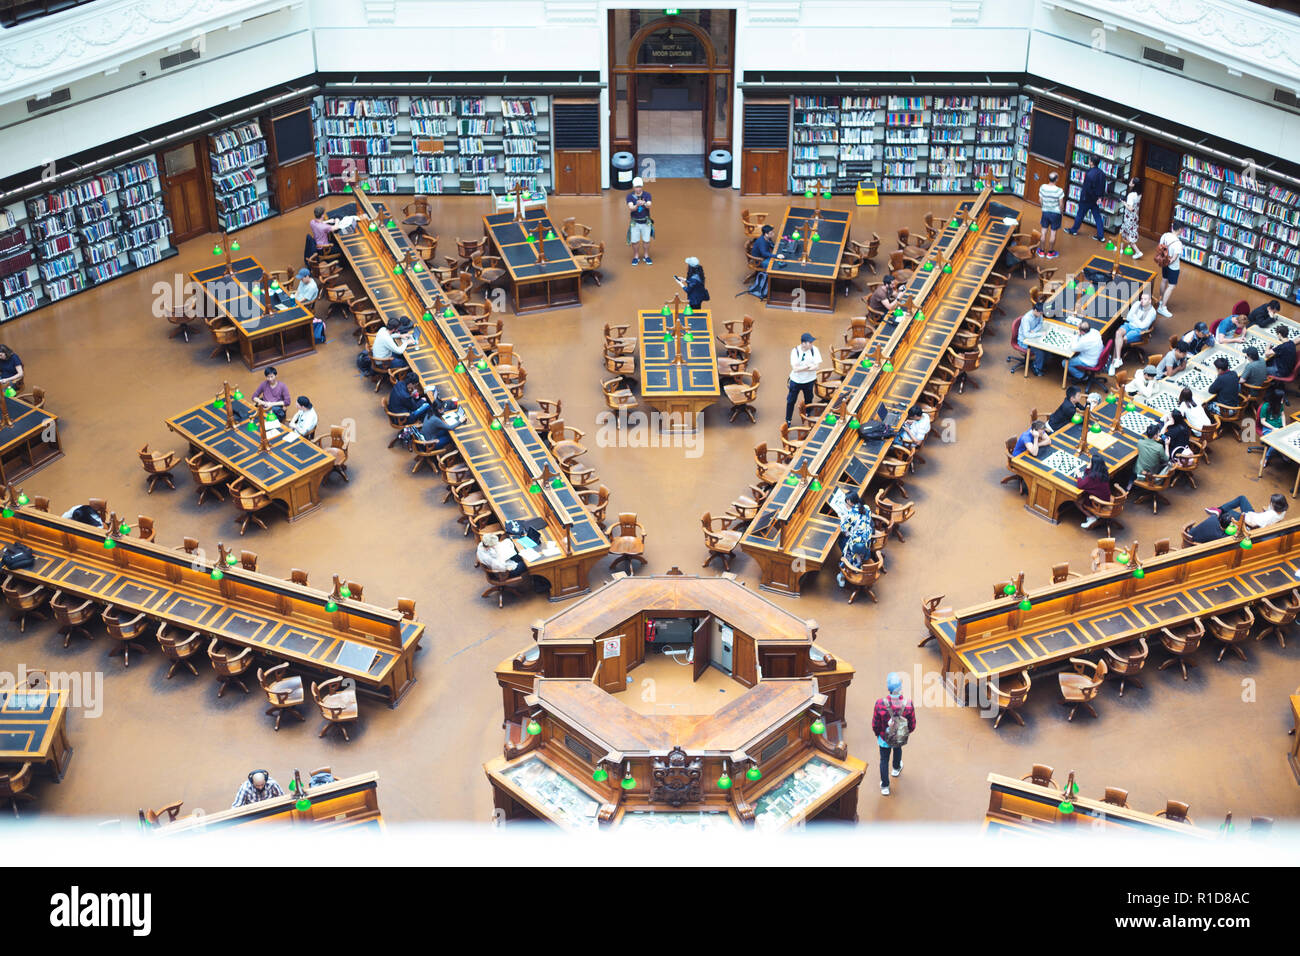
point(720, 169)
point(621, 170)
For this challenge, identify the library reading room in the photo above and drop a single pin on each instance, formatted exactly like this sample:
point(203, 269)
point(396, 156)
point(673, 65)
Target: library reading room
point(780, 425)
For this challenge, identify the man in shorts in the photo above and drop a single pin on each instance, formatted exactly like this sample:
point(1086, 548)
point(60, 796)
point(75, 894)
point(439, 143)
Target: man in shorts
point(641, 228)
point(1173, 243)
point(1050, 196)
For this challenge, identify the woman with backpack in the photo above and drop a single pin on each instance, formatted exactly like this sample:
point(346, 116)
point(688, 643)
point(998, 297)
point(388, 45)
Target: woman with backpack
point(892, 721)
point(693, 284)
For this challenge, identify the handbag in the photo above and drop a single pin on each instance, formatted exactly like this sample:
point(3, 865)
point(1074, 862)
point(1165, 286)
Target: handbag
point(17, 556)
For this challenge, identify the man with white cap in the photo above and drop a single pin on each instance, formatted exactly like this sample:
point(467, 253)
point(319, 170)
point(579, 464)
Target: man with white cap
point(892, 721)
point(641, 229)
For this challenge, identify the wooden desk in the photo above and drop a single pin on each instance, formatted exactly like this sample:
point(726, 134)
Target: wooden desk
point(263, 339)
point(282, 620)
point(1023, 805)
point(535, 285)
point(795, 529)
point(1052, 475)
point(352, 803)
point(29, 442)
point(504, 461)
point(1286, 442)
point(34, 728)
point(1108, 607)
point(814, 280)
point(289, 471)
point(681, 390)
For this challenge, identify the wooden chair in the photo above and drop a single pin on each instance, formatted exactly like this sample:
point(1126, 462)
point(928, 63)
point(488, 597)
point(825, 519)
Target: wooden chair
point(1184, 466)
point(742, 394)
point(732, 339)
point(741, 511)
point(144, 527)
point(1080, 688)
point(499, 582)
point(596, 500)
point(472, 503)
point(337, 701)
point(627, 542)
point(861, 578)
point(336, 446)
point(1232, 415)
point(589, 261)
point(850, 265)
point(826, 384)
point(792, 437)
point(71, 616)
point(720, 540)
point(732, 366)
point(1232, 629)
point(356, 590)
point(770, 470)
point(250, 501)
point(1175, 811)
point(898, 265)
point(1150, 486)
point(892, 514)
point(858, 334)
point(1181, 642)
point(283, 692)
point(298, 576)
point(163, 815)
point(230, 665)
point(14, 787)
point(547, 411)
point(418, 213)
point(620, 363)
point(208, 476)
point(24, 601)
point(396, 421)
point(41, 503)
point(248, 560)
point(1126, 662)
point(1010, 694)
point(752, 223)
point(618, 396)
point(1040, 775)
point(1278, 614)
point(867, 251)
point(570, 228)
point(1115, 797)
point(1107, 512)
point(616, 337)
point(489, 270)
point(224, 335)
point(1161, 546)
point(179, 652)
point(1061, 572)
point(126, 631)
point(424, 452)
point(567, 453)
point(181, 315)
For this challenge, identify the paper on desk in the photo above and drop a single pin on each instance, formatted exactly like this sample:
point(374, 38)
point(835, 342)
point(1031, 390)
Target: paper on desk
point(528, 554)
point(1010, 221)
point(1101, 440)
point(838, 501)
point(550, 549)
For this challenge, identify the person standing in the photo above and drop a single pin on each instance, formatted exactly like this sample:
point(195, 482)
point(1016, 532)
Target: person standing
point(1128, 230)
point(1050, 196)
point(693, 283)
point(1169, 256)
point(805, 360)
point(642, 227)
point(892, 721)
point(1094, 187)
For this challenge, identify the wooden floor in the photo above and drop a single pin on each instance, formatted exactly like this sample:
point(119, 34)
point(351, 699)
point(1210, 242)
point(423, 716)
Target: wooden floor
point(1217, 742)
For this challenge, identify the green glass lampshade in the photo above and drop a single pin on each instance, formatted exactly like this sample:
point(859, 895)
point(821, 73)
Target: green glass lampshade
point(110, 544)
point(929, 266)
point(331, 605)
point(216, 250)
point(1129, 407)
point(234, 245)
point(374, 227)
point(920, 316)
point(753, 773)
point(557, 482)
point(689, 337)
point(256, 288)
point(252, 427)
point(1073, 789)
point(217, 574)
point(1247, 544)
point(1077, 418)
point(231, 559)
point(293, 786)
point(1071, 284)
point(1110, 246)
point(496, 425)
point(365, 187)
point(481, 365)
point(517, 421)
point(532, 238)
point(347, 188)
point(979, 184)
point(1128, 250)
point(1230, 530)
point(807, 194)
point(953, 224)
point(947, 268)
point(1025, 605)
point(831, 418)
point(866, 363)
point(888, 366)
point(795, 235)
point(1121, 558)
point(1139, 573)
point(898, 313)
point(418, 267)
point(1065, 806)
point(792, 480)
point(24, 500)
point(397, 270)
point(628, 782)
point(854, 424)
point(237, 395)
point(550, 234)
point(724, 782)
point(816, 237)
point(997, 187)
point(390, 224)
point(818, 727)
point(815, 485)
point(345, 592)
point(600, 775)
point(460, 367)
point(1008, 589)
point(535, 488)
point(1090, 290)
point(1112, 398)
point(275, 286)
point(303, 805)
point(974, 226)
point(665, 311)
point(219, 404)
point(428, 316)
point(1094, 428)
point(826, 194)
point(688, 311)
point(534, 728)
point(448, 312)
point(7, 512)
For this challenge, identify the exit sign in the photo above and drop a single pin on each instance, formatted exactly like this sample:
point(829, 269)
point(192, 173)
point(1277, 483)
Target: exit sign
point(671, 12)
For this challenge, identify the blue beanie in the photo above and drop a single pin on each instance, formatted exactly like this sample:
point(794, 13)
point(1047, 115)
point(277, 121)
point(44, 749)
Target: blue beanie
point(894, 683)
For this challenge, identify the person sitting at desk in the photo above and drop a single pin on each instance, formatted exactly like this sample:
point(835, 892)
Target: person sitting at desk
point(913, 431)
point(1096, 482)
point(1265, 315)
point(1272, 414)
point(391, 344)
point(499, 556)
point(11, 367)
point(86, 515)
point(1174, 361)
point(1176, 432)
point(1033, 439)
point(1254, 373)
point(305, 419)
point(259, 786)
point(1137, 322)
point(307, 291)
point(1198, 338)
point(1193, 412)
point(1232, 329)
point(319, 229)
point(1031, 326)
point(857, 526)
point(1152, 458)
point(1144, 382)
point(1240, 508)
point(762, 249)
point(1087, 352)
point(405, 399)
point(884, 297)
point(434, 428)
point(272, 394)
point(1281, 357)
point(1226, 387)
point(1072, 405)
point(1213, 528)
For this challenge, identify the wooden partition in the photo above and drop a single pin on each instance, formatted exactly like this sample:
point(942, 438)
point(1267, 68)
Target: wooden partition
point(351, 803)
point(1021, 805)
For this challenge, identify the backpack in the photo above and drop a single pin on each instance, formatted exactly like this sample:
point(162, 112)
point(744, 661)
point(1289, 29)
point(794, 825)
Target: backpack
point(1162, 255)
point(363, 363)
point(17, 556)
point(896, 731)
point(318, 332)
point(875, 431)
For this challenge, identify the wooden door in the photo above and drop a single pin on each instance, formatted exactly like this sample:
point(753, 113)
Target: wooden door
point(1160, 165)
point(701, 642)
point(1036, 172)
point(185, 190)
point(295, 184)
point(763, 172)
point(577, 172)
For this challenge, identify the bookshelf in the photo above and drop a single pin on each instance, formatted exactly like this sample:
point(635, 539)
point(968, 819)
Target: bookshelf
point(815, 145)
point(20, 288)
point(858, 156)
point(1244, 228)
point(906, 144)
point(240, 184)
point(1114, 148)
point(1020, 162)
point(996, 127)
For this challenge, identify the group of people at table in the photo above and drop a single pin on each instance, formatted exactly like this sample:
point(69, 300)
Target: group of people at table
point(1168, 440)
point(273, 396)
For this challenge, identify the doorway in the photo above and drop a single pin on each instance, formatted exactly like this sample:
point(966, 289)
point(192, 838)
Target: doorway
point(1159, 166)
point(185, 190)
point(670, 123)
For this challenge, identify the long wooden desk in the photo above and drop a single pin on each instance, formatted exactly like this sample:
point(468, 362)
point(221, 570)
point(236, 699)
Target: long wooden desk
point(264, 339)
point(1024, 805)
point(282, 620)
point(34, 728)
point(29, 442)
point(791, 279)
point(795, 529)
point(1053, 473)
point(535, 285)
point(289, 471)
point(506, 461)
point(352, 803)
point(1111, 606)
point(681, 390)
